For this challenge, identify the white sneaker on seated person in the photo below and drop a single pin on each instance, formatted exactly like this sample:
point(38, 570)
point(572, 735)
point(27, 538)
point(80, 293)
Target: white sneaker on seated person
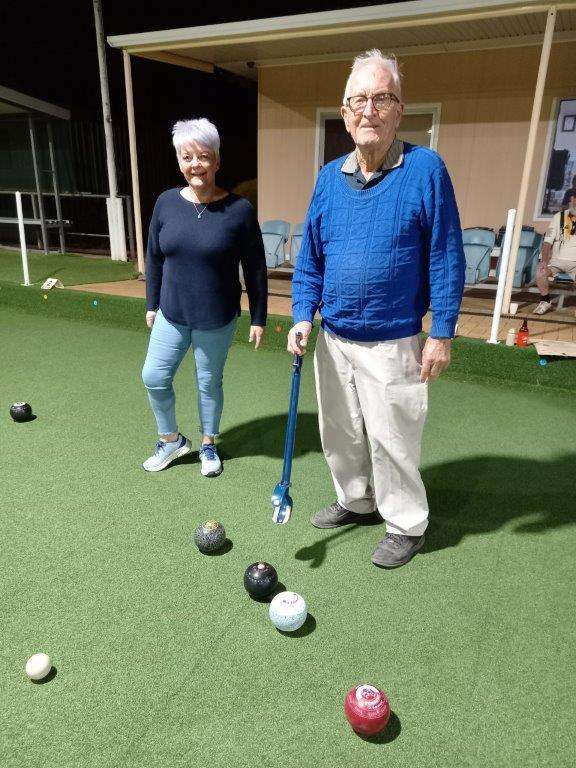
point(543, 307)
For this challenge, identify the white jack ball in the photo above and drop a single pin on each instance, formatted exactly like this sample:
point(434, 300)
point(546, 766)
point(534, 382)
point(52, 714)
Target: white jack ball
point(288, 611)
point(38, 666)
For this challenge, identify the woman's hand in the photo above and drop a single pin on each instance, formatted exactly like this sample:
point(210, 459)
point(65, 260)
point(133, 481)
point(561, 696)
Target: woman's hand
point(150, 317)
point(256, 335)
point(303, 329)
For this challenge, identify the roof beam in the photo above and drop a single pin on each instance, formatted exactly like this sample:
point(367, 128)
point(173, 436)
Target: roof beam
point(179, 61)
point(30, 104)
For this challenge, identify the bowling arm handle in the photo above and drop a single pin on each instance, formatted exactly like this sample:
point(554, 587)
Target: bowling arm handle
point(292, 418)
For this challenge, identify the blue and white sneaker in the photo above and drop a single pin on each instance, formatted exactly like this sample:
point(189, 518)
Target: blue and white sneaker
point(211, 464)
point(165, 453)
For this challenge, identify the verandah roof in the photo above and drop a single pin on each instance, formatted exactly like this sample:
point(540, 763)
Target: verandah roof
point(417, 27)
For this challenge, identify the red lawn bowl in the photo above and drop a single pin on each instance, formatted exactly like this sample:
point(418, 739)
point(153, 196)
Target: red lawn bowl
point(367, 710)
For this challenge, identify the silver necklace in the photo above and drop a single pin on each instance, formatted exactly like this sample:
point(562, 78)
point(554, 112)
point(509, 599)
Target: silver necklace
point(199, 212)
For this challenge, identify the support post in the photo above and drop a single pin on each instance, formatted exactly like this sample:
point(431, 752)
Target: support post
point(37, 234)
point(504, 258)
point(22, 233)
point(56, 188)
point(113, 203)
point(528, 160)
point(133, 161)
point(34, 146)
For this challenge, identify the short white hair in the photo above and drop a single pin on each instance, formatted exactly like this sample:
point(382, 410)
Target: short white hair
point(200, 131)
point(375, 57)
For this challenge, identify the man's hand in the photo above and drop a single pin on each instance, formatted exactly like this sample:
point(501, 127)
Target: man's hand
point(150, 317)
point(304, 329)
point(435, 358)
point(256, 335)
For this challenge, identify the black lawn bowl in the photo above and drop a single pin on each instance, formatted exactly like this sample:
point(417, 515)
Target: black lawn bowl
point(210, 536)
point(260, 580)
point(21, 412)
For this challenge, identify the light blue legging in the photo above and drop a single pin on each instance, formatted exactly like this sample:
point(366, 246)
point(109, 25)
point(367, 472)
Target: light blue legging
point(168, 344)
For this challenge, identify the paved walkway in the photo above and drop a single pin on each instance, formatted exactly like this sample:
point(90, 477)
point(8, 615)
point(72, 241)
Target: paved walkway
point(475, 317)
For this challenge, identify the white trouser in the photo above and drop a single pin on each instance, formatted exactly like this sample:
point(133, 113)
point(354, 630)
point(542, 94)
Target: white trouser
point(372, 408)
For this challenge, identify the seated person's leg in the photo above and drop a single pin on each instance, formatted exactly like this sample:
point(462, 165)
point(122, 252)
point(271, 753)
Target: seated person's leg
point(543, 274)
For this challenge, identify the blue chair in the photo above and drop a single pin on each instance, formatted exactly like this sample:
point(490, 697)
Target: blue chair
point(532, 266)
point(564, 277)
point(295, 243)
point(478, 245)
point(275, 236)
point(527, 260)
point(478, 236)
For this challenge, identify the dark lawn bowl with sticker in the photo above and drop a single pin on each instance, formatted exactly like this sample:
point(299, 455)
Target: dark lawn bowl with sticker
point(260, 580)
point(210, 536)
point(21, 411)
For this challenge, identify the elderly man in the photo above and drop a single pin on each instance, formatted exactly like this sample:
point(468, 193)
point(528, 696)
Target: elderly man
point(382, 240)
point(558, 252)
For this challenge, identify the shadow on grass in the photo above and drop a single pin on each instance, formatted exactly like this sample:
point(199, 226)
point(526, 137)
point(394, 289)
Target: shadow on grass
point(480, 495)
point(26, 421)
point(262, 437)
point(50, 676)
point(189, 458)
point(316, 553)
point(265, 437)
point(389, 734)
point(268, 598)
point(306, 629)
point(486, 493)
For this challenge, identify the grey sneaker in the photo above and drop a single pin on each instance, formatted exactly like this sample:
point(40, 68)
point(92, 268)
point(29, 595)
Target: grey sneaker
point(396, 549)
point(336, 515)
point(165, 453)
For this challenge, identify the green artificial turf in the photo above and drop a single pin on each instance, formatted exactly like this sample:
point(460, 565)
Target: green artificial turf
point(472, 359)
point(162, 660)
point(69, 268)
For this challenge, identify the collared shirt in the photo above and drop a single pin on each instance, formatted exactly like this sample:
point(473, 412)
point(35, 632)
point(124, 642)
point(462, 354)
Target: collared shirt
point(563, 241)
point(354, 175)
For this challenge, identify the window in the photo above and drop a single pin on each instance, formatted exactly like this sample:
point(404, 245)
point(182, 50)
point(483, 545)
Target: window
point(419, 126)
point(559, 171)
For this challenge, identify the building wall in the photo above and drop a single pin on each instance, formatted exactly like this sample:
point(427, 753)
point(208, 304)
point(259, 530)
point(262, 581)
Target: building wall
point(486, 101)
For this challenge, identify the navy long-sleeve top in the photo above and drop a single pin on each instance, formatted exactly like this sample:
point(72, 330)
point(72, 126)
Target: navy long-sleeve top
point(192, 269)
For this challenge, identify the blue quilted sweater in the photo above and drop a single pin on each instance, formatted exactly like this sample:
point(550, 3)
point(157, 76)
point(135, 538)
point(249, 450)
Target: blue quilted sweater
point(373, 261)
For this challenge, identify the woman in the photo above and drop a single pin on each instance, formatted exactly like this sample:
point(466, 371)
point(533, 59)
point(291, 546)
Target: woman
point(198, 238)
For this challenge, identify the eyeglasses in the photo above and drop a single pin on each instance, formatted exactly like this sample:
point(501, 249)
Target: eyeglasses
point(382, 102)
